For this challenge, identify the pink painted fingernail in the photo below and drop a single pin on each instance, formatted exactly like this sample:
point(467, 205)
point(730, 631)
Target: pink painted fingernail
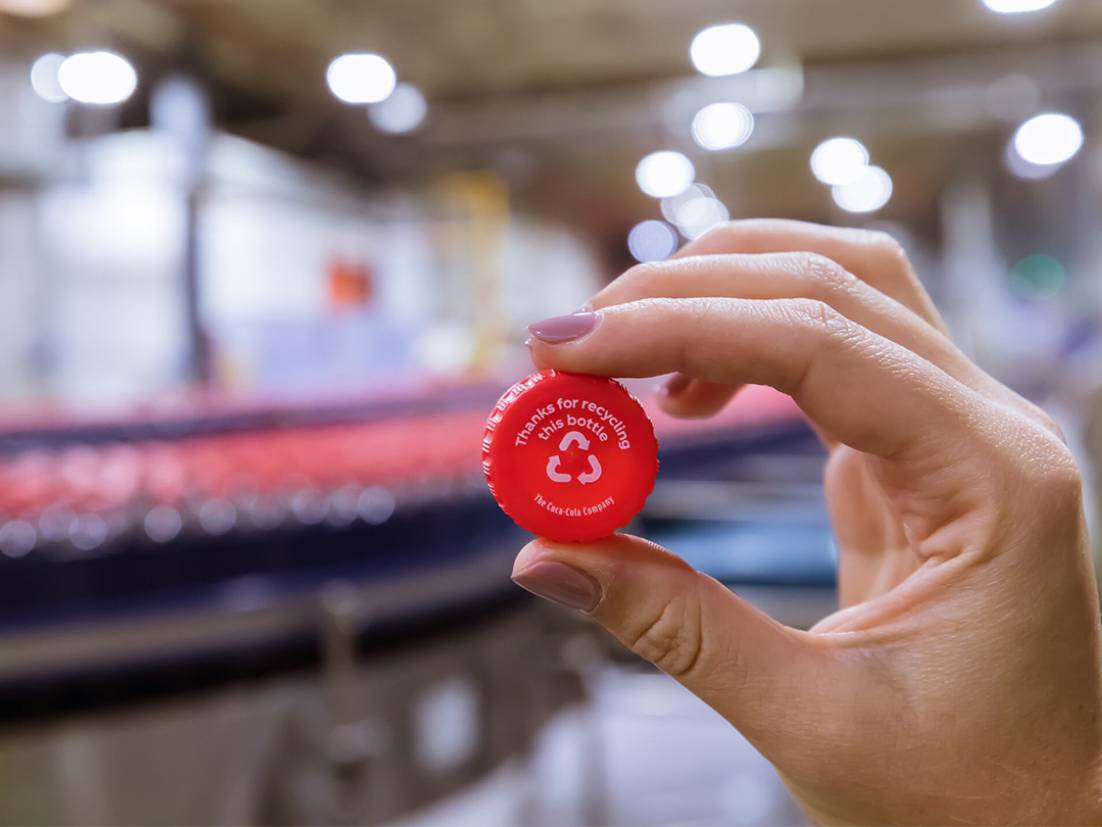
point(675, 385)
point(560, 583)
point(561, 329)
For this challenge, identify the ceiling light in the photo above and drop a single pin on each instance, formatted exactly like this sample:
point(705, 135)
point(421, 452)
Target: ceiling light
point(100, 78)
point(1017, 6)
point(870, 191)
point(403, 111)
point(652, 240)
point(700, 214)
point(726, 49)
point(838, 161)
point(1048, 140)
point(1021, 168)
point(722, 126)
point(671, 206)
point(664, 174)
point(44, 78)
point(362, 77)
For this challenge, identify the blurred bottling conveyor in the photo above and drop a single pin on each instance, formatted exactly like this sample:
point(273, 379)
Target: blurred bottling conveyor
point(303, 614)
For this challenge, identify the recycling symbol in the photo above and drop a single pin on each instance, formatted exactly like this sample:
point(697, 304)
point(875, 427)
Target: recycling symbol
point(555, 461)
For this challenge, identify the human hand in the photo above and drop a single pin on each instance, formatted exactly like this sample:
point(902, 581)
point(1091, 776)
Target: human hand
point(960, 680)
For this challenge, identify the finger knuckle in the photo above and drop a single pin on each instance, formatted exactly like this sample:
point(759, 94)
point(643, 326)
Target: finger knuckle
point(720, 239)
point(826, 278)
point(723, 231)
point(1047, 485)
point(642, 273)
point(672, 639)
point(1048, 423)
point(820, 318)
point(890, 248)
point(1053, 470)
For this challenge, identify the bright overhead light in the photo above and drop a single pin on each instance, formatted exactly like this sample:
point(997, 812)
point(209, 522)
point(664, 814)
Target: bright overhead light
point(672, 206)
point(664, 174)
point(1022, 168)
point(1049, 139)
point(44, 78)
point(1017, 6)
point(838, 161)
point(101, 78)
point(403, 111)
point(695, 211)
point(868, 192)
point(363, 77)
point(652, 240)
point(726, 49)
point(33, 8)
point(722, 126)
point(698, 215)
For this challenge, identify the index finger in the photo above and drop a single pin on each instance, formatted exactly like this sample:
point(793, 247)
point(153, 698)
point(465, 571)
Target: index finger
point(860, 388)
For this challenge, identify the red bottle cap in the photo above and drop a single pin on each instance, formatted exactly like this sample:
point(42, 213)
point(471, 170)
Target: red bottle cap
point(569, 457)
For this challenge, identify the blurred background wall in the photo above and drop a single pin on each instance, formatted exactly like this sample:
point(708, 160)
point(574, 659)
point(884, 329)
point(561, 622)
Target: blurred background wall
point(525, 119)
point(266, 264)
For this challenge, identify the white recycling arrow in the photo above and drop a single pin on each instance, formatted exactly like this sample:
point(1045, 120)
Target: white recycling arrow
point(594, 472)
point(553, 472)
point(554, 462)
point(573, 437)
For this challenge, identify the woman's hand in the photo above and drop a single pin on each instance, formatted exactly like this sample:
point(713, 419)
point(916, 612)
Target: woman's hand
point(960, 682)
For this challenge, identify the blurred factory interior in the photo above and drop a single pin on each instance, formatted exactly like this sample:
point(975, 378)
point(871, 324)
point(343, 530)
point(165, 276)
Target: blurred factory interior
point(266, 264)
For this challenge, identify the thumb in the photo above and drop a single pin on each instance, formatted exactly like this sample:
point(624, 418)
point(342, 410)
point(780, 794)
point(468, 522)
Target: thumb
point(754, 671)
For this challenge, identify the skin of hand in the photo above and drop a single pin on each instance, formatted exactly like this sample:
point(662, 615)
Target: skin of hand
point(960, 681)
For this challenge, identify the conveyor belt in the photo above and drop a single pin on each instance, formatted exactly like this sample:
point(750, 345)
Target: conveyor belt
point(71, 499)
point(140, 547)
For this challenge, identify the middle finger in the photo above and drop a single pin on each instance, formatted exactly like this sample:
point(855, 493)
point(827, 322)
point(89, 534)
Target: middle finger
point(799, 275)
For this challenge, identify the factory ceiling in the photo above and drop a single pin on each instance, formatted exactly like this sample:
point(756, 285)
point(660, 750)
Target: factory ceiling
point(533, 87)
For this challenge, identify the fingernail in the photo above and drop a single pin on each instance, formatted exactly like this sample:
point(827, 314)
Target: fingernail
point(560, 583)
point(675, 385)
point(560, 329)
